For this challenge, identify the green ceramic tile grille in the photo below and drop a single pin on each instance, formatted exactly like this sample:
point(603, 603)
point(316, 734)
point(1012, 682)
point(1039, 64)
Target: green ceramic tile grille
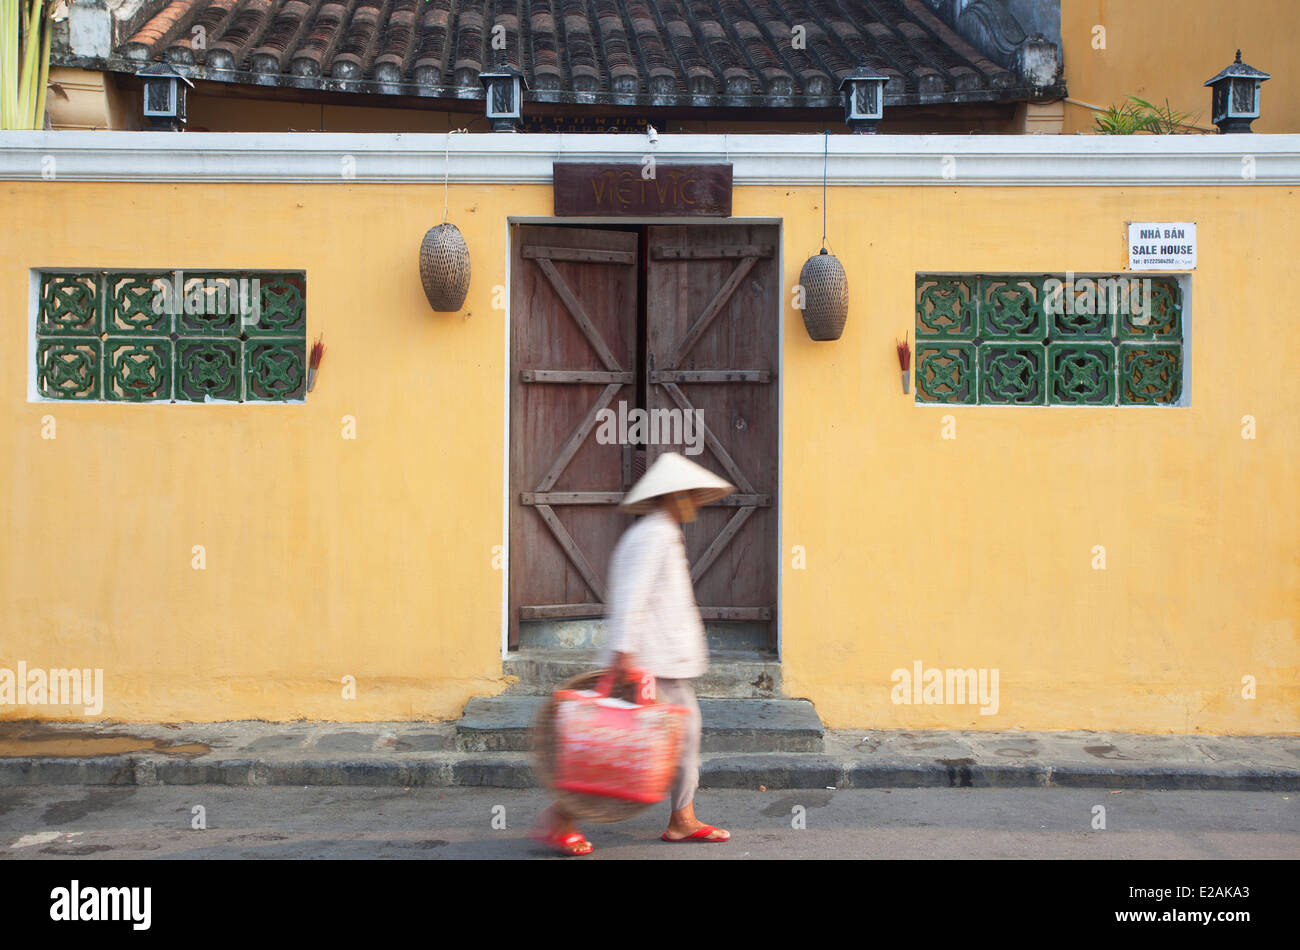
point(1045, 340)
point(172, 336)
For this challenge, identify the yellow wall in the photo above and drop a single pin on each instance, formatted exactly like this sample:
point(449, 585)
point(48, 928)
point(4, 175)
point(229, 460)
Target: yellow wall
point(325, 557)
point(976, 552)
point(373, 557)
point(1167, 49)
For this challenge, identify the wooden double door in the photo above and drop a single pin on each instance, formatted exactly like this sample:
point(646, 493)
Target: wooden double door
point(609, 322)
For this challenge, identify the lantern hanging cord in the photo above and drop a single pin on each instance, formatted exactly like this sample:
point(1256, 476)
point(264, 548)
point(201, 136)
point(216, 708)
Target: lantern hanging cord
point(826, 151)
point(446, 170)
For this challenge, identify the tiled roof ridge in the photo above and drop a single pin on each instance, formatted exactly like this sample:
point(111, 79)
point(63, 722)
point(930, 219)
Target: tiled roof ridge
point(745, 48)
point(355, 57)
point(949, 37)
point(314, 54)
point(693, 65)
point(615, 41)
point(818, 71)
point(684, 51)
point(849, 48)
point(937, 66)
point(398, 42)
point(434, 47)
point(166, 24)
point(286, 27)
point(777, 47)
point(243, 32)
point(543, 25)
point(656, 58)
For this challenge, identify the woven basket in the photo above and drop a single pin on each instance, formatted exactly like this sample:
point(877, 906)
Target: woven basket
point(826, 296)
point(444, 268)
point(583, 807)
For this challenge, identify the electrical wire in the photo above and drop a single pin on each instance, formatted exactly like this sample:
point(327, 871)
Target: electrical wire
point(826, 154)
point(446, 170)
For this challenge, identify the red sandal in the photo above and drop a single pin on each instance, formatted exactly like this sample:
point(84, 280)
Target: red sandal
point(571, 844)
point(701, 834)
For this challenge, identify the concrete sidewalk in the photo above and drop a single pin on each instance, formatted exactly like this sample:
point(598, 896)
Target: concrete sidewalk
point(411, 753)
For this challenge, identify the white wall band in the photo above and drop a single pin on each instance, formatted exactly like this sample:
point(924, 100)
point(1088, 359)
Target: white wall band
point(482, 158)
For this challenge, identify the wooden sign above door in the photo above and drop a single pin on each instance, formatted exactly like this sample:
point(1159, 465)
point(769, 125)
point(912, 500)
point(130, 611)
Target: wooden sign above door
point(630, 188)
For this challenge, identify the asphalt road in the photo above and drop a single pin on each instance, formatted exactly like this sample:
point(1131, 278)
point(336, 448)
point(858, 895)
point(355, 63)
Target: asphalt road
point(275, 822)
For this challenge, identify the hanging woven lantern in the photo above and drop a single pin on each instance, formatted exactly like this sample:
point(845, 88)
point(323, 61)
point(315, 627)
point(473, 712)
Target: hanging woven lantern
point(826, 296)
point(444, 268)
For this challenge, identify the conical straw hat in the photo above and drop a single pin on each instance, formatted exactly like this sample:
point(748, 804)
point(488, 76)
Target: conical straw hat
point(673, 473)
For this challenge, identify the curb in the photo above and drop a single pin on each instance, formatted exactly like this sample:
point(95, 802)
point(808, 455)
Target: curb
point(731, 771)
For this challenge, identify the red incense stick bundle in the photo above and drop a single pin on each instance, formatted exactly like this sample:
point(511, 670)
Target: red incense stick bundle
point(904, 361)
point(313, 362)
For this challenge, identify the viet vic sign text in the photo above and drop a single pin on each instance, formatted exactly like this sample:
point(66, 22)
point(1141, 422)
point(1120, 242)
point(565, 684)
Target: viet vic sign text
point(642, 188)
point(1161, 245)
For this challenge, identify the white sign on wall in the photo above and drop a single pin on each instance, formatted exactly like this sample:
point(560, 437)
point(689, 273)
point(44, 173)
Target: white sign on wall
point(1162, 245)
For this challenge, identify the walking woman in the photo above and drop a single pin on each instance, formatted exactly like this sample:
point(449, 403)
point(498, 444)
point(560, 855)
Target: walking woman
point(653, 624)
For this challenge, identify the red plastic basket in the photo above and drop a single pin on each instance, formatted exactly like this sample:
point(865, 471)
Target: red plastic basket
point(616, 750)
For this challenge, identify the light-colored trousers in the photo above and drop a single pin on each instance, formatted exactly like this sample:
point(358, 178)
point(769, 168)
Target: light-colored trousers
point(682, 693)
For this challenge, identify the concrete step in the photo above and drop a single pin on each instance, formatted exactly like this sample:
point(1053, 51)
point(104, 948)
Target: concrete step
point(504, 724)
point(732, 674)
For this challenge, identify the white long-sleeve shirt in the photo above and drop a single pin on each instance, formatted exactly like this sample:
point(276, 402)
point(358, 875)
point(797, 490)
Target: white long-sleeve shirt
point(650, 609)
